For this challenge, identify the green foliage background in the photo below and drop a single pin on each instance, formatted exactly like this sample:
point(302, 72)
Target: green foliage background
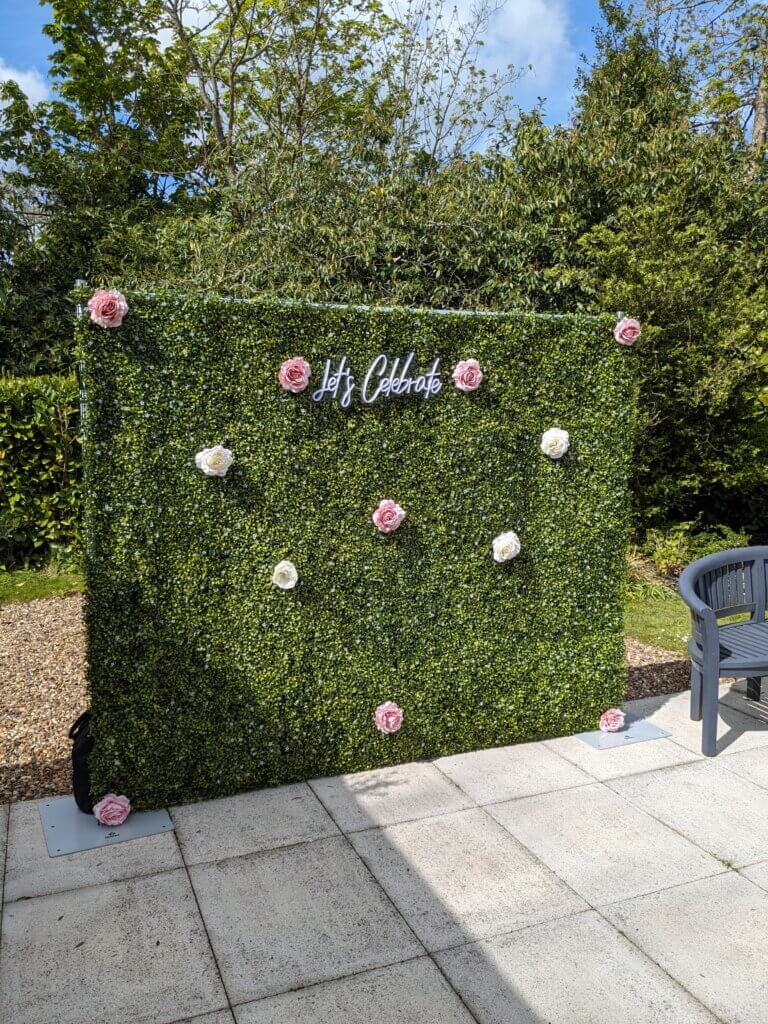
point(333, 186)
point(40, 489)
point(207, 679)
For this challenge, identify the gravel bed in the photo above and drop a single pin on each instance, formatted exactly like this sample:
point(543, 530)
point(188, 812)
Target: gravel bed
point(652, 670)
point(43, 690)
point(42, 668)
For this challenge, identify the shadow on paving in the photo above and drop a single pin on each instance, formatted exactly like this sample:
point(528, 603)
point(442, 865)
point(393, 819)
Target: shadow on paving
point(465, 923)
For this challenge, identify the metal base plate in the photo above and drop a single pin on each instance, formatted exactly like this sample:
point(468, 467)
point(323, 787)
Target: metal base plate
point(636, 730)
point(68, 830)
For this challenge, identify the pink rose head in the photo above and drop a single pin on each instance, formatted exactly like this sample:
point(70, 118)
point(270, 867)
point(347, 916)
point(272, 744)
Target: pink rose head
point(107, 308)
point(294, 374)
point(627, 331)
point(112, 810)
point(612, 720)
point(388, 717)
point(388, 516)
point(467, 375)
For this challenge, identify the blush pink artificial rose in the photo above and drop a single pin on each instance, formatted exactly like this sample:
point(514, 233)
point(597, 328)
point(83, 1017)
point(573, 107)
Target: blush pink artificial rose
point(627, 331)
point(467, 375)
point(107, 308)
point(112, 810)
point(388, 717)
point(612, 720)
point(294, 374)
point(388, 516)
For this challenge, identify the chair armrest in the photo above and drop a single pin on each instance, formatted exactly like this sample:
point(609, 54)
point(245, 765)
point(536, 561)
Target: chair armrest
point(686, 588)
point(697, 606)
point(699, 609)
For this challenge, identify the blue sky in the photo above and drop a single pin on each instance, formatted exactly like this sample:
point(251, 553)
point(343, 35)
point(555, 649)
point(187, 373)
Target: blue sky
point(550, 34)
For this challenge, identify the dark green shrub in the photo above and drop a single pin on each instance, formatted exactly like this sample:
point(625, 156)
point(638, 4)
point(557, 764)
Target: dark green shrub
point(207, 679)
point(671, 550)
point(39, 470)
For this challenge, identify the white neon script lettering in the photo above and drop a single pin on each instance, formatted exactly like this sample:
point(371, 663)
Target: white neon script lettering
point(383, 379)
point(341, 382)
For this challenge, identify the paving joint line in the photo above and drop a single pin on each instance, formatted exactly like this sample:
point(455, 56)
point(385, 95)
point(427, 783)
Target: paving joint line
point(324, 981)
point(673, 828)
point(626, 775)
point(261, 850)
point(740, 873)
point(744, 778)
point(95, 885)
point(4, 868)
point(204, 923)
point(664, 971)
point(664, 888)
point(397, 909)
point(610, 923)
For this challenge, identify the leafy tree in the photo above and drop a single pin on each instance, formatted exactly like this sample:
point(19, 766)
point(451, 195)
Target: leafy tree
point(726, 44)
point(326, 151)
point(277, 77)
point(632, 207)
point(109, 150)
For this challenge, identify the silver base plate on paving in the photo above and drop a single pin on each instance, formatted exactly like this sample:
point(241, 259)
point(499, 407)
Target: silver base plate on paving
point(68, 830)
point(636, 730)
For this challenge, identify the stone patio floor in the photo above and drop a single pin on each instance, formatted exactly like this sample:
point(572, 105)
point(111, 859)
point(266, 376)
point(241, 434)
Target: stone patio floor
point(546, 882)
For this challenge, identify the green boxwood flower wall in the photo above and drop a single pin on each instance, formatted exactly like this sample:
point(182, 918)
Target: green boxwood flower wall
point(207, 679)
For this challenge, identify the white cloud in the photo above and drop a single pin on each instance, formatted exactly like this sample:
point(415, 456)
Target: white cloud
point(31, 81)
point(536, 33)
point(533, 32)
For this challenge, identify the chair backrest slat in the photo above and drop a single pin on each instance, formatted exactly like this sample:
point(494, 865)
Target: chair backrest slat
point(728, 589)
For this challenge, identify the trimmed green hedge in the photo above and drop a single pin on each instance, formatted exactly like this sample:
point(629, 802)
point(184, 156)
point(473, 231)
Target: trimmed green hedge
point(207, 679)
point(40, 490)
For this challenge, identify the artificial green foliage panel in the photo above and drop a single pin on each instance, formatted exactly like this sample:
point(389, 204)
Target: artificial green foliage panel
point(207, 679)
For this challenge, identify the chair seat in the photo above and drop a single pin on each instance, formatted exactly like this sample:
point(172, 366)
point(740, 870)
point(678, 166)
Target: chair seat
point(744, 645)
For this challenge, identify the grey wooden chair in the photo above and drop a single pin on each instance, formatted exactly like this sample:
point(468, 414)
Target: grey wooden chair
point(716, 587)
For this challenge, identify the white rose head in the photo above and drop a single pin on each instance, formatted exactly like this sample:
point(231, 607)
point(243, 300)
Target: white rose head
point(506, 546)
point(285, 575)
point(555, 442)
point(214, 461)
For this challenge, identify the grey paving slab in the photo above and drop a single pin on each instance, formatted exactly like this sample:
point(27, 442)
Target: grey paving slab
point(462, 877)
point(387, 795)
point(611, 764)
point(297, 916)
point(735, 730)
point(577, 970)
point(132, 950)
point(601, 845)
point(718, 810)
point(264, 819)
point(31, 872)
point(749, 764)
point(735, 696)
point(412, 992)
point(506, 773)
point(757, 873)
point(711, 936)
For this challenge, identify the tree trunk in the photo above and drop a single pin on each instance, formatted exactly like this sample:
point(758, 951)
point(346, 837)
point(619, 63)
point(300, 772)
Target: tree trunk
point(760, 118)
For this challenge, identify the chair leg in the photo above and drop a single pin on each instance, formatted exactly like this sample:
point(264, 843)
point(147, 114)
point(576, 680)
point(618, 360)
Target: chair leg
point(709, 695)
point(695, 693)
point(753, 687)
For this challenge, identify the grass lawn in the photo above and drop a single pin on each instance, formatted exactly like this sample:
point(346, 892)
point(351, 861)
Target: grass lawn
point(654, 614)
point(27, 584)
